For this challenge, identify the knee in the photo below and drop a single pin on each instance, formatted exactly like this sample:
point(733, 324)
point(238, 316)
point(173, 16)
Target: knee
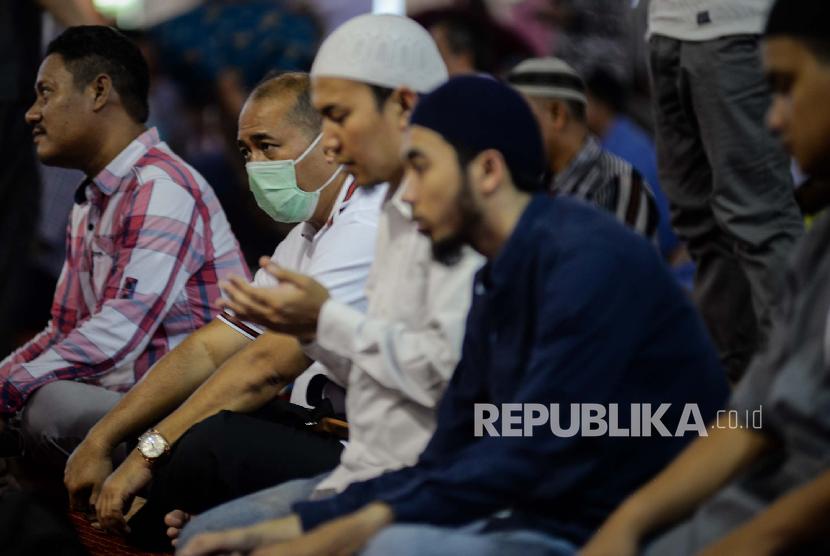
point(199, 440)
point(213, 520)
point(42, 415)
point(193, 457)
point(191, 529)
point(188, 533)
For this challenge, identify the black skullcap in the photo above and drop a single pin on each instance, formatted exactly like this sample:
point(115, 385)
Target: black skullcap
point(475, 113)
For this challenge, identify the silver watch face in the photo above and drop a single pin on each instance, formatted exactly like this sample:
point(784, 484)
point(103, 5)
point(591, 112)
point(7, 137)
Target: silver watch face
point(152, 445)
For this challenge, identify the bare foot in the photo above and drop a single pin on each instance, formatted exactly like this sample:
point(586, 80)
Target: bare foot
point(175, 521)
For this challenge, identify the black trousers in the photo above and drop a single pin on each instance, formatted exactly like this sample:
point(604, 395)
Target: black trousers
point(230, 455)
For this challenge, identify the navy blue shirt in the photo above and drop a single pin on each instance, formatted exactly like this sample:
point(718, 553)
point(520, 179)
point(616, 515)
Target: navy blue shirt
point(575, 309)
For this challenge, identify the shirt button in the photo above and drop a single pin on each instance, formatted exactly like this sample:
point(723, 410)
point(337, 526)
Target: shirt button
point(90, 226)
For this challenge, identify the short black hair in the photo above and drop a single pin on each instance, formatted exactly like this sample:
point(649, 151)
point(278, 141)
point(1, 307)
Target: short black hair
point(805, 20)
point(303, 113)
point(607, 88)
point(468, 35)
point(381, 94)
point(90, 50)
point(521, 179)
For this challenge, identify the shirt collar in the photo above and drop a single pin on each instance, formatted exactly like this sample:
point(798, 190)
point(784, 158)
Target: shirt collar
point(110, 178)
point(584, 159)
point(397, 203)
point(502, 269)
point(347, 191)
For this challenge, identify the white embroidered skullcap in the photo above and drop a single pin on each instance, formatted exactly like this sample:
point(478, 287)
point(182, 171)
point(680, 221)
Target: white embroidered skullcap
point(380, 49)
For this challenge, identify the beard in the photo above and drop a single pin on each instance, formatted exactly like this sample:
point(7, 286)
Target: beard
point(448, 251)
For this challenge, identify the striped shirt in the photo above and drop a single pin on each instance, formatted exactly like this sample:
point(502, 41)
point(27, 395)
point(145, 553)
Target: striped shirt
point(601, 178)
point(147, 244)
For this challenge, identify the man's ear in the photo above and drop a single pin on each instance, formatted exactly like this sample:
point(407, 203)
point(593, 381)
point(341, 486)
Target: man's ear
point(101, 89)
point(558, 114)
point(405, 100)
point(488, 170)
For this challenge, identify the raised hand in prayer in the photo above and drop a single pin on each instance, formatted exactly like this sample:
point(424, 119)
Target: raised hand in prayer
point(292, 307)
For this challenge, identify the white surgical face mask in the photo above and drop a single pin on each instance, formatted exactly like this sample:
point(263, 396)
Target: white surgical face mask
point(274, 185)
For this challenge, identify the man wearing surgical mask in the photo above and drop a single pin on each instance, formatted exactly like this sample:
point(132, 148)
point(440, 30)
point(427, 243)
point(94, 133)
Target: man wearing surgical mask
point(231, 367)
point(273, 180)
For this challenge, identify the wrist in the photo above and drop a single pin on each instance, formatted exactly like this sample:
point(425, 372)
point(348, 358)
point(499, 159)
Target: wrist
point(99, 443)
point(768, 538)
point(632, 518)
point(377, 515)
point(135, 459)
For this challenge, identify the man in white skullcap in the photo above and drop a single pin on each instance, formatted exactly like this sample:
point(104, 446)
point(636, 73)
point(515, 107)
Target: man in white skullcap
point(396, 359)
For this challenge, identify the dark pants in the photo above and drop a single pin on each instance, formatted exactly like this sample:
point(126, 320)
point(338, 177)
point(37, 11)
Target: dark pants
point(729, 184)
point(230, 455)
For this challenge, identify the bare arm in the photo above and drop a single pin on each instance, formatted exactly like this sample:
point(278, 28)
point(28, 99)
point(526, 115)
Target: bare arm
point(798, 518)
point(72, 12)
point(699, 471)
point(175, 377)
point(244, 383)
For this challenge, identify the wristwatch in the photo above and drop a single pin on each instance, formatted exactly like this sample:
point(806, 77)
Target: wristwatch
point(152, 445)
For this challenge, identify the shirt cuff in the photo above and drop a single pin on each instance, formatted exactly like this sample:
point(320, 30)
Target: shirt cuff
point(313, 350)
point(247, 329)
point(337, 327)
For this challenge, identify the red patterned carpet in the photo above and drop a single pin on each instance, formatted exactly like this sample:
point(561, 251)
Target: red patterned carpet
point(103, 544)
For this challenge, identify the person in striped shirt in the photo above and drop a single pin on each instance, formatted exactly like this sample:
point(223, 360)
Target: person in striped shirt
point(147, 244)
point(579, 165)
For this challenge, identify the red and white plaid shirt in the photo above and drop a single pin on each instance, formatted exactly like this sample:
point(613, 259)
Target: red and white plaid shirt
point(147, 245)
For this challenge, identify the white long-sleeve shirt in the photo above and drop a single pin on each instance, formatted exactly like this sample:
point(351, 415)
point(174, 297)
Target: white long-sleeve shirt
point(398, 357)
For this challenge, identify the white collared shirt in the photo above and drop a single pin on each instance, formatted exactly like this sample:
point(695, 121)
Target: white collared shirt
point(397, 358)
point(338, 255)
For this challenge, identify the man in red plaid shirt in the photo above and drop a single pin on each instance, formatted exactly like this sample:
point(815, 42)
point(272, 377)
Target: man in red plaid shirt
point(147, 244)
